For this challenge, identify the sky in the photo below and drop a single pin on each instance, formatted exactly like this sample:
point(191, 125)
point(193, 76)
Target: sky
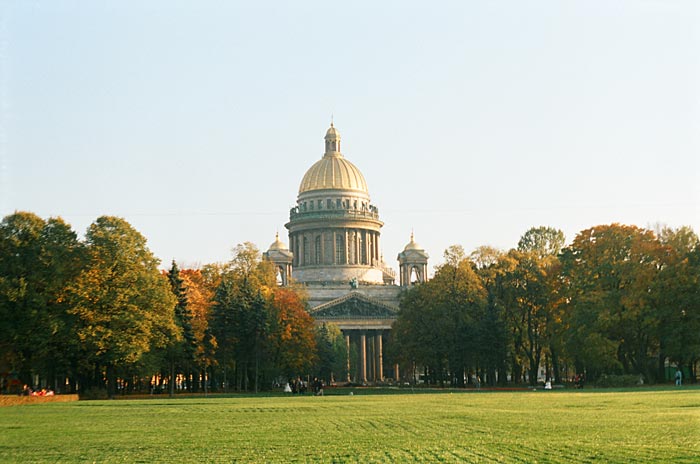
point(472, 121)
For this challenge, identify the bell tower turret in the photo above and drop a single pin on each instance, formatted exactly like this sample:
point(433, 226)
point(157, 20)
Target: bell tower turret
point(413, 264)
point(279, 255)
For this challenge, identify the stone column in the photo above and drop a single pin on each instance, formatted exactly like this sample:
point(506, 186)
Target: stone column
point(376, 245)
point(333, 239)
point(347, 347)
point(380, 358)
point(372, 359)
point(365, 252)
point(322, 258)
point(363, 355)
point(292, 248)
point(347, 248)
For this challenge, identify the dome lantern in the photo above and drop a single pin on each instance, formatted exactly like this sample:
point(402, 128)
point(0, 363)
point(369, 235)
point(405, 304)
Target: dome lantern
point(332, 139)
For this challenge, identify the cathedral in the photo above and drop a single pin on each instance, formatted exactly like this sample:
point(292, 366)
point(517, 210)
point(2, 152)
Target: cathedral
point(334, 251)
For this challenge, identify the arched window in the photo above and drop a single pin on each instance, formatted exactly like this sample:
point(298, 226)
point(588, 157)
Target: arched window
point(414, 278)
point(339, 249)
point(280, 275)
point(307, 252)
point(352, 244)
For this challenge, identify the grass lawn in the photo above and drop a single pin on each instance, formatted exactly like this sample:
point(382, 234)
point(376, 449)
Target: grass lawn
point(555, 426)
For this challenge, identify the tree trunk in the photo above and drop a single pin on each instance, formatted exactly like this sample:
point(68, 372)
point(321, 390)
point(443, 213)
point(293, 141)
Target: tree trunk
point(171, 382)
point(555, 366)
point(111, 381)
point(256, 372)
point(661, 366)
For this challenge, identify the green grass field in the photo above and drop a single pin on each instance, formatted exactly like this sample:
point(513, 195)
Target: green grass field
point(562, 426)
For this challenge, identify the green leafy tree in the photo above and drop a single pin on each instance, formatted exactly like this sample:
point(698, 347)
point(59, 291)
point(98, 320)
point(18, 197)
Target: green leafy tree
point(437, 324)
point(542, 241)
point(332, 353)
point(38, 259)
point(492, 329)
point(527, 301)
point(123, 304)
point(609, 271)
point(676, 297)
point(545, 243)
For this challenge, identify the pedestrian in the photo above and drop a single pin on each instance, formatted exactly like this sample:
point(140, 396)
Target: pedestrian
point(679, 378)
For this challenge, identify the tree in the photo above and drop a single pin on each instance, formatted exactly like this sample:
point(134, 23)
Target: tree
point(199, 289)
point(332, 353)
point(180, 353)
point(526, 297)
point(241, 315)
point(485, 257)
point(38, 259)
point(437, 324)
point(123, 305)
point(677, 299)
point(293, 337)
point(492, 330)
point(608, 272)
point(543, 241)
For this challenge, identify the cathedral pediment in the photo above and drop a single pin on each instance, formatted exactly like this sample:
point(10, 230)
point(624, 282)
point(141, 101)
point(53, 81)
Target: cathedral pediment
point(354, 305)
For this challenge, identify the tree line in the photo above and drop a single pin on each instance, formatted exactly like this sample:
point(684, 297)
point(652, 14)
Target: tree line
point(618, 301)
point(96, 314)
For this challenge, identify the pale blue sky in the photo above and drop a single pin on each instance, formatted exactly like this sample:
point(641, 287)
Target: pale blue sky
point(471, 121)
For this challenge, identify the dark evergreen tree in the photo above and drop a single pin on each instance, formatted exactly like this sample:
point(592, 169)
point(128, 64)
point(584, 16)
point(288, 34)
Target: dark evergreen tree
point(181, 353)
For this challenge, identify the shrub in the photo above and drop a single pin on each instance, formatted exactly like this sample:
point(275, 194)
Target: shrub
point(94, 394)
point(618, 381)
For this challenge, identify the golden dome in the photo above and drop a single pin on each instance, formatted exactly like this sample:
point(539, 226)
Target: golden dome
point(333, 171)
point(412, 245)
point(278, 245)
point(332, 133)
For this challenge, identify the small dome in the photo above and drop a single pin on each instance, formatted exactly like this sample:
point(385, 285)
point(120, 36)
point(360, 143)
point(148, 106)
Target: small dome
point(278, 245)
point(412, 245)
point(332, 133)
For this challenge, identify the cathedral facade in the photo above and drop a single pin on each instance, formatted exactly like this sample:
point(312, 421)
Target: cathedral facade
point(334, 251)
